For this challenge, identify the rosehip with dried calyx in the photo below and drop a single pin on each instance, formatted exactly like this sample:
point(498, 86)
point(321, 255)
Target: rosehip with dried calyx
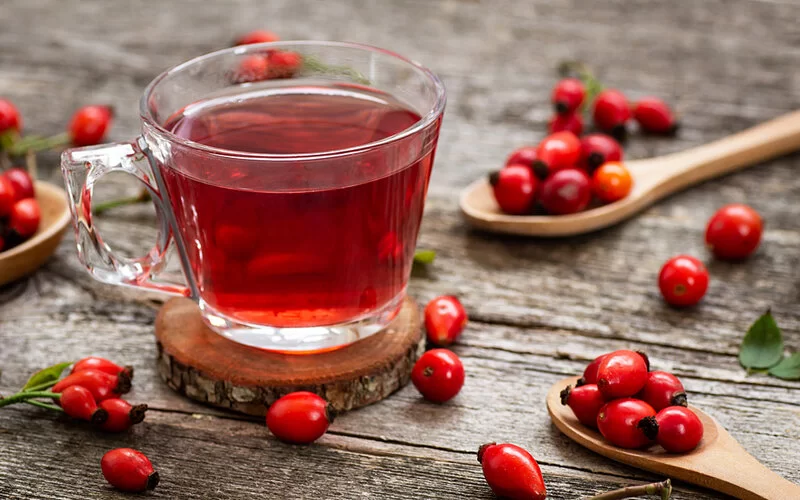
point(300, 417)
point(252, 68)
point(22, 182)
point(585, 402)
point(654, 116)
point(511, 472)
point(570, 122)
point(445, 319)
point(438, 375)
point(622, 374)
point(7, 197)
point(526, 155)
point(590, 372)
point(568, 95)
point(101, 364)
point(627, 423)
point(284, 64)
point(78, 402)
point(514, 189)
point(10, 118)
point(683, 281)
point(129, 470)
point(597, 149)
point(102, 385)
point(89, 124)
point(734, 232)
point(25, 217)
point(121, 414)
point(679, 429)
point(256, 36)
point(661, 390)
point(566, 192)
point(611, 113)
point(557, 152)
point(611, 182)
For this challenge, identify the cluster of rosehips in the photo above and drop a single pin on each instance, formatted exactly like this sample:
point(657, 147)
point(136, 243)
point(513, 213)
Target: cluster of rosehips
point(733, 233)
point(270, 65)
point(634, 407)
point(19, 210)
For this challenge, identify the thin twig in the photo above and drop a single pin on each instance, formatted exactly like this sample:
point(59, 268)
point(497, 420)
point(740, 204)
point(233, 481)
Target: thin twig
point(663, 489)
point(44, 405)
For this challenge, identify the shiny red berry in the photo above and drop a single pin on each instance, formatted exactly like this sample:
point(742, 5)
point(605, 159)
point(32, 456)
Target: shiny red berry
point(621, 374)
point(299, 417)
point(683, 281)
point(661, 390)
point(445, 319)
point(256, 36)
point(611, 182)
point(590, 372)
point(514, 189)
point(734, 232)
point(566, 192)
point(624, 423)
point(597, 149)
point(585, 402)
point(101, 364)
point(7, 196)
point(526, 155)
point(10, 119)
point(438, 375)
point(654, 116)
point(568, 95)
point(511, 472)
point(252, 68)
point(78, 402)
point(557, 152)
point(25, 217)
point(89, 125)
point(102, 385)
point(284, 64)
point(570, 122)
point(129, 470)
point(121, 414)
point(22, 182)
point(611, 113)
point(679, 429)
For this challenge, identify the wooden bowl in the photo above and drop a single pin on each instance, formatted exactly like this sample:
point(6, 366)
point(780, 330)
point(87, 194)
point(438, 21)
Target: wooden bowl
point(30, 255)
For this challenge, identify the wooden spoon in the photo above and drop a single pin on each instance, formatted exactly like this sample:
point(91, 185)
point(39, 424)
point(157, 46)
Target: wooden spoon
point(30, 255)
point(718, 463)
point(653, 178)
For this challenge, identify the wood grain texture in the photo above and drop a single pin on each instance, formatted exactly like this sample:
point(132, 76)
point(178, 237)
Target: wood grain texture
point(539, 309)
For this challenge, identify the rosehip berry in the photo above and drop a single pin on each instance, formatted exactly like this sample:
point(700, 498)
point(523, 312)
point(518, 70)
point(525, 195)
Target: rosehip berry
point(22, 182)
point(9, 116)
point(597, 149)
point(128, 470)
point(566, 192)
point(585, 402)
point(590, 372)
point(7, 196)
point(78, 402)
point(511, 472)
point(256, 36)
point(89, 125)
point(101, 364)
point(612, 182)
point(570, 122)
point(611, 112)
point(734, 232)
point(568, 95)
point(121, 414)
point(24, 217)
point(557, 152)
point(624, 423)
point(283, 64)
point(102, 385)
point(514, 189)
point(253, 68)
point(526, 155)
point(438, 375)
point(654, 116)
point(445, 319)
point(679, 429)
point(661, 390)
point(299, 417)
point(621, 374)
point(683, 281)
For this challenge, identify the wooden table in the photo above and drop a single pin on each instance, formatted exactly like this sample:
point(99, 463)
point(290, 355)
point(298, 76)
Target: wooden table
point(539, 309)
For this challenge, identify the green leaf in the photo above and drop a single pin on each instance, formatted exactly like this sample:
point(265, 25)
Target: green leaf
point(424, 256)
point(762, 346)
point(788, 368)
point(46, 375)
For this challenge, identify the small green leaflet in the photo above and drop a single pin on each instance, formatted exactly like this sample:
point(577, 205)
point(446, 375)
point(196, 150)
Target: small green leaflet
point(46, 375)
point(424, 256)
point(788, 368)
point(762, 346)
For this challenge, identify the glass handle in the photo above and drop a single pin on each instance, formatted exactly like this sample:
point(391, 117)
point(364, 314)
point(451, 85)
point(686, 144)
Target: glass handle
point(82, 168)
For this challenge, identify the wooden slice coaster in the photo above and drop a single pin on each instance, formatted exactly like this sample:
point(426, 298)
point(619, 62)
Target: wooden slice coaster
point(207, 367)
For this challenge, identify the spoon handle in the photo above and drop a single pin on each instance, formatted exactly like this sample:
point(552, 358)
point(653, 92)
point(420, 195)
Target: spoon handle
point(757, 144)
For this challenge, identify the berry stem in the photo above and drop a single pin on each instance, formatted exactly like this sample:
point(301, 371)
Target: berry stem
point(40, 387)
point(662, 489)
point(44, 405)
point(22, 397)
point(584, 73)
point(314, 64)
point(142, 197)
point(36, 143)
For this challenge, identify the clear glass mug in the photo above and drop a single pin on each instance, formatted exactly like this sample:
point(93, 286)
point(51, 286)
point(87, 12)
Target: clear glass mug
point(295, 238)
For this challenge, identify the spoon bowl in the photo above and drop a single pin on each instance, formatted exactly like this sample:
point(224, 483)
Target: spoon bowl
point(718, 463)
point(653, 179)
point(31, 254)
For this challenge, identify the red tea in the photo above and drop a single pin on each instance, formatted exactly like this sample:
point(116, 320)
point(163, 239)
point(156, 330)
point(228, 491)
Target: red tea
point(310, 242)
